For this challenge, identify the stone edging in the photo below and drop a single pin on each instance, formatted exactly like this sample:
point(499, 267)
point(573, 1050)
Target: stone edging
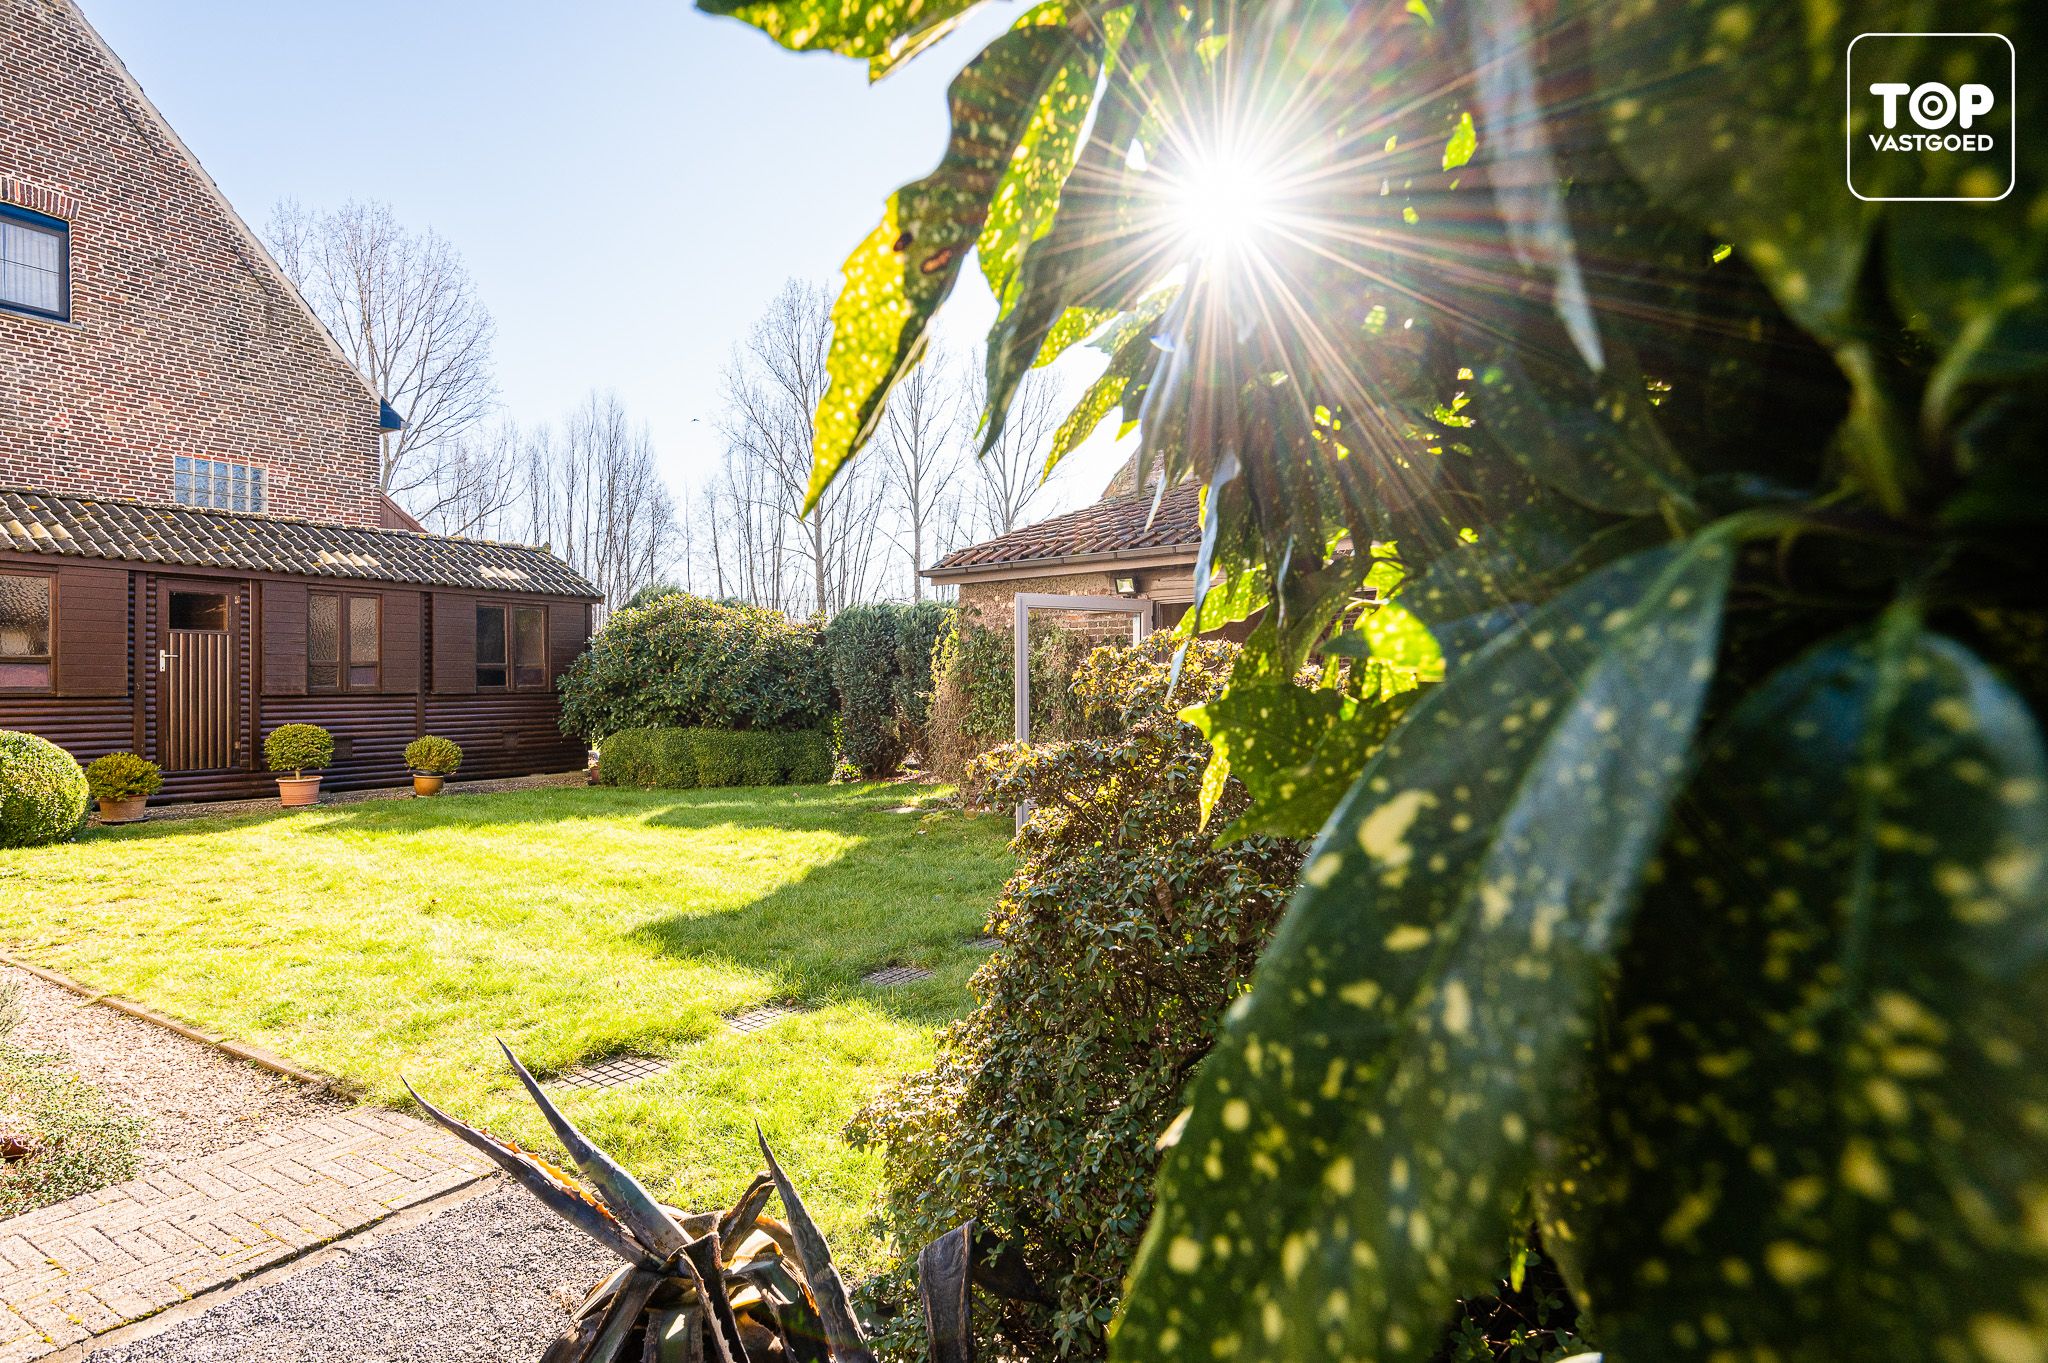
point(226, 1045)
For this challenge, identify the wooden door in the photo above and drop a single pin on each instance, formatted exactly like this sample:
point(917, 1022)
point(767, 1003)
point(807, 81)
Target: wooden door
point(196, 647)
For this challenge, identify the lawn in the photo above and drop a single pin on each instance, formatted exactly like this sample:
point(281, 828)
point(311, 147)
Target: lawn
point(394, 938)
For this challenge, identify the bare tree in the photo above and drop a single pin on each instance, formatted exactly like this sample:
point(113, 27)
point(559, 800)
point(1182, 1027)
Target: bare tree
point(772, 388)
point(403, 307)
point(1009, 478)
point(591, 492)
point(918, 447)
point(474, 483)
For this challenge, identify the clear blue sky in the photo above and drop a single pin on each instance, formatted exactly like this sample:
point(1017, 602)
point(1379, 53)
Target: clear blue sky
point(630, 181)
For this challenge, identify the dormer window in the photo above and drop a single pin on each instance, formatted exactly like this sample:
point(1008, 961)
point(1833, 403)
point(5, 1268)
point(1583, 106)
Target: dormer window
point(35, 263)
point(217, 483)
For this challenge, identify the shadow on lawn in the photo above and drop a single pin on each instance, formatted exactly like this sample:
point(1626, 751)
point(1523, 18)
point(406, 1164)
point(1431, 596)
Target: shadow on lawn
point(798, 808)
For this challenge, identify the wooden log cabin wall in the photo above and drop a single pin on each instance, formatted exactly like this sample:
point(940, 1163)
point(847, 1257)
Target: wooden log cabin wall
point(191, 664)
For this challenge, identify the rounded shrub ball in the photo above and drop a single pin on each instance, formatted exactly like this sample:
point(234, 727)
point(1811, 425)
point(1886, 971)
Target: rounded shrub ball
point(42, 791)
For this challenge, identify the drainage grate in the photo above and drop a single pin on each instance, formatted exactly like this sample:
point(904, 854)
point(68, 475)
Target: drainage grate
point(617, 1072)
point(898, 974)
point(755, 1019)
point(986, 943)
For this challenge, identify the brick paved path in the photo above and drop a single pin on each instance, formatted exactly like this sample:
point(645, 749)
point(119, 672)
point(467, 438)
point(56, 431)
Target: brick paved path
point(99, 1260)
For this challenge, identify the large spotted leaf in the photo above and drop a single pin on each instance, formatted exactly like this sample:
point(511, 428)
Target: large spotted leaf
point(1826, 1098)
point(1731, 112)
point(896, 279)
point(1361, 1137)
point(886, 32)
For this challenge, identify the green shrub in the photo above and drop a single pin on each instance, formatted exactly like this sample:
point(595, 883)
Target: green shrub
point(298, 748)
point(123, 776)
point(973, 706)
point(431, 756)
point(683, 759)
point(918, 631)
point(684, 662)
point(808, 756)
point(1125, 933)
point(862, 645)
point(43, 794)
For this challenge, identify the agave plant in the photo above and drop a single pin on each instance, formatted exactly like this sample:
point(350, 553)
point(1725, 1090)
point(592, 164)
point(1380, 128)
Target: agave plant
point(732, 1287)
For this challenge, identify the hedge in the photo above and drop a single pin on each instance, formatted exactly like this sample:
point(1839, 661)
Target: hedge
point(683, 759)
point(687, 663)
point(43, 794)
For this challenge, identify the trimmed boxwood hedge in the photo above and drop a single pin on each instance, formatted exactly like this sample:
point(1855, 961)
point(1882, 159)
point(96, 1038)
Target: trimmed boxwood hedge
point(683, 759)
point(43, 794)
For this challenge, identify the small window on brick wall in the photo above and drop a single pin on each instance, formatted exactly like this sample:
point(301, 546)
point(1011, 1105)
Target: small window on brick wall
point(217, 483)
point(24, 631)
point(35, 263)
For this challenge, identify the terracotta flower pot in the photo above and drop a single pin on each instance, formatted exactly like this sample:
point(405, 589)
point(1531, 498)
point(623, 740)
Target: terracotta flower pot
point(422, 784)
point(293, 792)
point(123, 811)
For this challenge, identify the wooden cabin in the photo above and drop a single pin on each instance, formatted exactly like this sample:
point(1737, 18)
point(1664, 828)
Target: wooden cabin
point(195, 546)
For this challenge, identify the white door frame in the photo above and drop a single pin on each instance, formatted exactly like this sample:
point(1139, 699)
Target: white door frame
point(1139, 608)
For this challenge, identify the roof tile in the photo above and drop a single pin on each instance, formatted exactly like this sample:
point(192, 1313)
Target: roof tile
point(198, 537)
point(1117, 525)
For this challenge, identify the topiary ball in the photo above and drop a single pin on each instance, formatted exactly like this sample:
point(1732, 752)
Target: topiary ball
point(42, 791)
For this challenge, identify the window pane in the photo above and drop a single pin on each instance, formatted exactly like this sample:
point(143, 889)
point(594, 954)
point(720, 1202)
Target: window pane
point(24, 674)
point(490, 645)
point(362, 676)
point(31, 266)
point(256, 496)
point(24, 618)
point(362, 631)
point(323, 641)
point(181, 479)
point(219, 476)
point(199, 610)
point(529, 648)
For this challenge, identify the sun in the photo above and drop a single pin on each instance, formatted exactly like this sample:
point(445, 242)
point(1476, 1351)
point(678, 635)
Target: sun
point(1223, 202)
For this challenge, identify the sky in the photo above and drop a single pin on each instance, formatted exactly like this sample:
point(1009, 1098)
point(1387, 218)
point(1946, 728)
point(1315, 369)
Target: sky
point(629, 181)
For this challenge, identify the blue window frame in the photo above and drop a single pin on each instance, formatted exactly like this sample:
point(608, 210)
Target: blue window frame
point(35, 263)
point(217, 483)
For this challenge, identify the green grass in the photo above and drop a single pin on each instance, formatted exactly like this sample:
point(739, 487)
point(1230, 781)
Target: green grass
point(82, 1142)
point(397, 938)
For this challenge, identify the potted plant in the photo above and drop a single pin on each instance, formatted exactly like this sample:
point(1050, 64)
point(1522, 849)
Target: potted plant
point(298, 749)
point(433, 760)
point(123, 783)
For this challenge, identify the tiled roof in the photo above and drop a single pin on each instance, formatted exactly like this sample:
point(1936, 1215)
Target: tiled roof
point(1107, 528)
point(194, 537)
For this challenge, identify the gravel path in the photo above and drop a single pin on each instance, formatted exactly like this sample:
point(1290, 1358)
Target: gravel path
point(195, 1099)
point(489, 1281)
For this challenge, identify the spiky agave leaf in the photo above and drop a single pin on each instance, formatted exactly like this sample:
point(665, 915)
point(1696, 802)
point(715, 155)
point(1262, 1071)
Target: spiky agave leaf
point(814, 1257)
point(646, 1218)
point(735, 1225)
point(943, 1270)
point(627, 1308)
point(551, 1186)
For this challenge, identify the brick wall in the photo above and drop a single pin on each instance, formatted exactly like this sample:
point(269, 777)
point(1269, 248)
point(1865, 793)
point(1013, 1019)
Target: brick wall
point(183, 338)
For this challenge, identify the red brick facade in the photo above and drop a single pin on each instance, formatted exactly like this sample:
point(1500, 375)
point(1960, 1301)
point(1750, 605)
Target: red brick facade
point(184, 338)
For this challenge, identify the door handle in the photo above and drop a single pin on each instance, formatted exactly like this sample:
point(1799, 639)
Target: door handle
point(163, 659)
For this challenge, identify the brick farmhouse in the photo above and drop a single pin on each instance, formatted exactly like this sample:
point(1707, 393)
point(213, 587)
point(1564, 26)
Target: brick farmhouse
point(194, 543)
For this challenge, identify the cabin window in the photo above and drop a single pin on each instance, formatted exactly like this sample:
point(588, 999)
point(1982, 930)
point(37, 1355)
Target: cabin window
point(217, 483)
point(35, 263)
point(24, 631)
point(344, 642)
point(511, 648)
